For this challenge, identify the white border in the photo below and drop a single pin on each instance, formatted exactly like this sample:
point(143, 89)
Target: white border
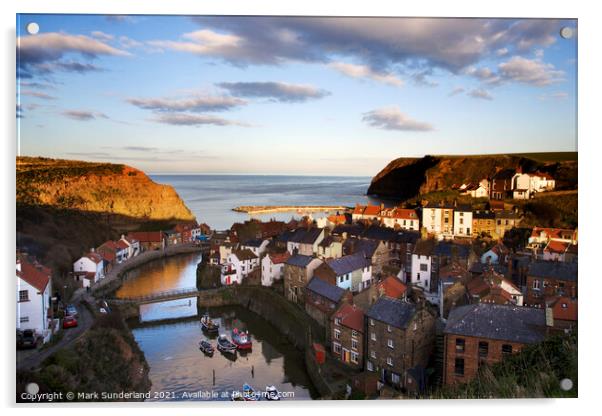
point(589, 155)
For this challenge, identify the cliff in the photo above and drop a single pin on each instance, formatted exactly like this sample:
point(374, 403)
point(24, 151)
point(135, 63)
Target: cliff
point(404, 178)
point(66, 207)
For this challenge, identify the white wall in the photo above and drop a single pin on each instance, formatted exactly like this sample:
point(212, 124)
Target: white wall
point(35, 310)
point(463, 223)
point(270, 272)
point(425, 275)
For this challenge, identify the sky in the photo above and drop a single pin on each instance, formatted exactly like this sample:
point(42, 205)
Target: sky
point(291, 95)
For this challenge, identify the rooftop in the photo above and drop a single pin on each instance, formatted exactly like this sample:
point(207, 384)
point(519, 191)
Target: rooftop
point(299, 260)
point(325, 289)
point(553, 270)
point(351, 316)
point(348, 264)
point(393, 312)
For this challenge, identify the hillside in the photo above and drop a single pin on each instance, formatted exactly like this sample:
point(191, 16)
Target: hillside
point(66, 207)
point(404, 178)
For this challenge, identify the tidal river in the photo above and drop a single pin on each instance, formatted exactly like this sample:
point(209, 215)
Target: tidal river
point(179, 370)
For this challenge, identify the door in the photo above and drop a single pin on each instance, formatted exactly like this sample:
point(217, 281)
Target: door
point(346, 355)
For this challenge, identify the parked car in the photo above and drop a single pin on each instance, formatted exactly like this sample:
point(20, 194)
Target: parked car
point(27, 339)
point(71, 310)
point(69, 322)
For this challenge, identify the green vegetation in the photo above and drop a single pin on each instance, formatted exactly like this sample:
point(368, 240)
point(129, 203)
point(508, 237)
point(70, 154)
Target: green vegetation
point(534, 372)
point(555, 210)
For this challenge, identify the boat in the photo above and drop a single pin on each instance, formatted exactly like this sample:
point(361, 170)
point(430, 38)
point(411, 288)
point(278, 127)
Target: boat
point(272, 393)
point(248, 393)
point(207, 324)
point(224, 344)
point(242, 339)
point(206, 347)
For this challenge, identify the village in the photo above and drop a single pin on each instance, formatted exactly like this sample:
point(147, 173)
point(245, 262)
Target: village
point(408, 297)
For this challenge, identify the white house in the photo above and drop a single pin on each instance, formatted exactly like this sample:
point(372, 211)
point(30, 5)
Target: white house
point(238, 265)
point(438, 219)
point(257, 246)
point(463, 221)
point(133, 246)
point(405, 219)
point(89, 269)
point(272, 268)
point(305, 241)
point(34, 288)
point(527, 184)
point(420, 274)
point(352, 272)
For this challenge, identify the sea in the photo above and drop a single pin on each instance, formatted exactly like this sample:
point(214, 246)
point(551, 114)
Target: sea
point(211, 198)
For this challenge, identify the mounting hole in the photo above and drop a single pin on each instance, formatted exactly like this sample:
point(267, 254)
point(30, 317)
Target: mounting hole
point(32, 28)
point(566, 384)
point(566, 32)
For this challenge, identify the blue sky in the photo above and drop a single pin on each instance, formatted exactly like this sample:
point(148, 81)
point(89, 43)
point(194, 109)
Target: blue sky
point(325, 96)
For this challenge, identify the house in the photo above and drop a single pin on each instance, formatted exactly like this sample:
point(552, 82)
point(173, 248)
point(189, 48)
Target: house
point(463, 221)
point(173, 237)
point(540, 237)
point(123, 250)
point(547, 279)
point(366, 213)
point(188, 231)
point(421, 271)
point(256, 245)
point(305, 241)
point(559, 251)
point(400, 218)
point(564, 312)
point(34, 288)
point(352, 272)
point(375, 251)
point(506, 220)
point(526, 185)
point(322, 299)
point(134, 246)
point(483, 223)
point(298, 271)
point(480, 190)
point(331, 247)
point(399, 336)
point(484, 334)
point(501, 184)
point(149, 240)
point(88, 269)
point(108, 251)
point(438, 219)
point(496, 255)
point(492, 287)
point(390, 286)
point(347, 335)
point(239, 264)
point(272, 267)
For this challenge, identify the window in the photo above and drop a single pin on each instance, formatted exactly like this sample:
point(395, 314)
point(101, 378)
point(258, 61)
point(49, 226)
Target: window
point(336, 347)
point(371, 322)
point(389, 328)
point(373, 336)
point(459, 367)
point(370, 366)
point(354, 344)
point(390, 361)
point(337, 321)
point(354, 357)
point(354, 333)
point(395, 378)
point(535, 284)
point(373, 354)
point(337, 334)
point(23, 295)
point(460, 344)
point(24, 319)
point(424, 267)
point(483, 349)
point(390, 343)
point(506, 349)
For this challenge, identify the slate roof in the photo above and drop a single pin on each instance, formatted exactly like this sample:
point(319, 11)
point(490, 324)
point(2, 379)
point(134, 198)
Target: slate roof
point(553, 270)
point(348, 264)
point(255, 242)
point(306, 236)
point(393, 312)
point(299, 260)
point(245, 254)
point(479, 268)
point(483, 215)
point(500, 322)
point(325, 289)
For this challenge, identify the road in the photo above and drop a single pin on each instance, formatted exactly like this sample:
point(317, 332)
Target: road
point(31, 359)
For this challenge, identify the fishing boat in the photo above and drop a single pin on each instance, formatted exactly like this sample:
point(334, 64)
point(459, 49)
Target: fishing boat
point(224, 344)
point(242, 339)
point(206, 347)
point(272, 393)
point(207, 324)
point(248, 393)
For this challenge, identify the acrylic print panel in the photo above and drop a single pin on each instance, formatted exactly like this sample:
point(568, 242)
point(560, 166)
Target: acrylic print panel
point(295, 208)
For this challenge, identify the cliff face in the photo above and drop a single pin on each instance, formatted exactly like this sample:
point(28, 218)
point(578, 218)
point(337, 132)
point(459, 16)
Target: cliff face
point(405, 178)
point(96, 187)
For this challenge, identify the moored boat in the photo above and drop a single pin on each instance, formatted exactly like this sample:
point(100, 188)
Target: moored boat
point(242, 339)
point(224, 344)
point(206, 347)
point(207, 324)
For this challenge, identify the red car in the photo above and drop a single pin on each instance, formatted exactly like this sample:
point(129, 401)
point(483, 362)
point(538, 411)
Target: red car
point(69, 322)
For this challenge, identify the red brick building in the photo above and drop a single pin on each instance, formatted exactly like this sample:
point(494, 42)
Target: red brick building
point(548, 279)
point(347, 335)
point(485, 333)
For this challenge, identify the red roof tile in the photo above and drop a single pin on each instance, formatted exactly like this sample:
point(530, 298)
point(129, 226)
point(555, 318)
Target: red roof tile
point(555, 246)
point(372, 210)
point(95, 257)
point(564, 308)
point(393, 287)
point(35, 274)
point(351, 316)
point(147, 236)
point(122, 244)
point(279, 258)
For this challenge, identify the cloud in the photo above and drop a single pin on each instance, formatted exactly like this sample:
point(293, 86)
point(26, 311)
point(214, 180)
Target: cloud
point(105, 37)
point(81, 115)
point(194, 104)
point(379, 43)
point(559, 95)
point(43, 53)
point(456, 91)
point(35, 85)
point(391, 118)
point(275, 91)
point(530, 71)
point(184, 119)
point(364, 71)
point(37, 94)
point(480, 94)
point(128, 43)
point(502, 52)
point(140, 148)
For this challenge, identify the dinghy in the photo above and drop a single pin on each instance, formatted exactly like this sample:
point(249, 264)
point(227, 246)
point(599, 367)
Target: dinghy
point(206, 347)
point(224, 344)
point(208, 325)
